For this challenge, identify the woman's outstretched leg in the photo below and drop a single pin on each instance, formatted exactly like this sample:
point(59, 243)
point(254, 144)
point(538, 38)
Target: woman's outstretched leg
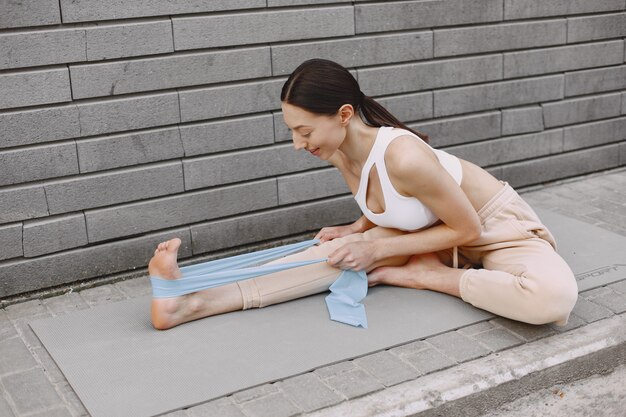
point(256, 292)
point(170, 312)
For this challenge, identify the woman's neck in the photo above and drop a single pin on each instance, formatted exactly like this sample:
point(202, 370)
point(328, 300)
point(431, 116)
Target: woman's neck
point(357, 145)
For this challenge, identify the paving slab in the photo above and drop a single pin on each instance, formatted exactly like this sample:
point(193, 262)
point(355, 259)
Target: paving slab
point(593, 310)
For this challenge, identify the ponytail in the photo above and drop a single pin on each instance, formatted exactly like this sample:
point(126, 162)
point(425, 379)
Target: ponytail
point(322, 86)
point(376, 115)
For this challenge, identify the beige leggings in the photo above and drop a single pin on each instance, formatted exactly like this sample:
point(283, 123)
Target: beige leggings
point(513, 269)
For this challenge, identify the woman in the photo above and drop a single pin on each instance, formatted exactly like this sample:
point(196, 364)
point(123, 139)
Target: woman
point(426, 212)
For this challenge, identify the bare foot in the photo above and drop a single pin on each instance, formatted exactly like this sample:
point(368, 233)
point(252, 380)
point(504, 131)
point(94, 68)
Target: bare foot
point(164, 265)
point(416, 273)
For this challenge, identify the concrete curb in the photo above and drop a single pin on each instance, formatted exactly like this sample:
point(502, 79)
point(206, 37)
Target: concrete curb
point(476, 387)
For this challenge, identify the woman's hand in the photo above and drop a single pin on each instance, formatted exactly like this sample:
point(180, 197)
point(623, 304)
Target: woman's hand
point(334, 232)
point(358, 256)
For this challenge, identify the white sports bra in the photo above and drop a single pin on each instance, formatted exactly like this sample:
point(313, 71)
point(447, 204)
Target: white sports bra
point(401, 212)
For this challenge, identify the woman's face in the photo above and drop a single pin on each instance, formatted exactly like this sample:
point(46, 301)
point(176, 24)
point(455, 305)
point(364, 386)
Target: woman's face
point(319, 134)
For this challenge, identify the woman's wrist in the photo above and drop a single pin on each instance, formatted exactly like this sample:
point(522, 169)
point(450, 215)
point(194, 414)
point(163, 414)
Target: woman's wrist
point(357, 227)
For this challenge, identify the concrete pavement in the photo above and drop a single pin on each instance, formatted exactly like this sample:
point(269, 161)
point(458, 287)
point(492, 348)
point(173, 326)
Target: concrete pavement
point(32, 385)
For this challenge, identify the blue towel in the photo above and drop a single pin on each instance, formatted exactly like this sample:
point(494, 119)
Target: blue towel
point(343, 302)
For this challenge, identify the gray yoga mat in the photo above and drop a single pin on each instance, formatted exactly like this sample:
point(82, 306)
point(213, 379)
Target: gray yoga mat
point(120, 366)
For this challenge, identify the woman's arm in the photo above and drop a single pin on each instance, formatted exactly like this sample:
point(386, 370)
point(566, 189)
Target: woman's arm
point(414, 172)
point(362, 224)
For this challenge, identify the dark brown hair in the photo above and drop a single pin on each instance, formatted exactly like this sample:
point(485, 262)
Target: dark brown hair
point(321, 86)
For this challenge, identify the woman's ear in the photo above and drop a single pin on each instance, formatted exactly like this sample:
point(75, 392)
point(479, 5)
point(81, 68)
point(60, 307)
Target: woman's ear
point(345, 113)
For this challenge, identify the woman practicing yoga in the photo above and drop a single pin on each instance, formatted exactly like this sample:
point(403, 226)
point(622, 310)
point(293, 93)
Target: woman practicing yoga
point(431, 220)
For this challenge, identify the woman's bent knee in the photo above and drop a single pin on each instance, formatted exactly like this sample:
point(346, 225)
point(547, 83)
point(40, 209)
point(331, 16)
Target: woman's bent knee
point(552, 303)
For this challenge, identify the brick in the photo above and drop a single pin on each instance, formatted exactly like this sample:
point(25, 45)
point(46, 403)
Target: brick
point(589, 311)
point(281, 131)
point(116, 151)
point(356, 51)
point(15, 356)
point(66, 303)
point(274, 405)
point(71, 400)
point(521, 9)
point(408, 349)
point(11, 238)
point(511, 148)
point(623, 103)
point(27, 310)
point(135, 287)
point(622, 154)
point(418, 14)
point(595, 80)
point(53, 412)
point(85, 10)
point(463, 129)
point(34, 87)
point(216, 30)
point(429, 360)
point(593, 134)
point(27, 127)
point(335, 369)
point(619, 287)
point(230, 100)
point(354, 383)
point(474, 329)
point(496, 95)
point(499, 37)
point(387, 368)
point(48, 365)
point(30, 13)
point(129, 39)
point(458, 347)
point(131, 76)
point(308, 392)
point(54, 234)
point(4, 408)
point(47, 47)
point(246, 165)
point(256, 392)
point(527, 332)
point(580, 29)
point(141, 217)
point(498, 339)
point(560, 166)
point(226, 135)
point(37, 163)
point(408, 107)
point(31, 391)
point(578, 110)
point(222, 407)
point(573, 322)
point(108, 188)
point(424, 76)
point(101, 294)
point(95, 261)
point(27, 334)
point(562, 58)
point(612, 300)
point(128, 113)
point(310, 186)
point(22, 203)
point(522, 120)
point(255, 227)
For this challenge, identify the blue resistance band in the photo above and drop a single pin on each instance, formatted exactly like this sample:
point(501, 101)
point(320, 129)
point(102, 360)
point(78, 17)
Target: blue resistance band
point(343, 302)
